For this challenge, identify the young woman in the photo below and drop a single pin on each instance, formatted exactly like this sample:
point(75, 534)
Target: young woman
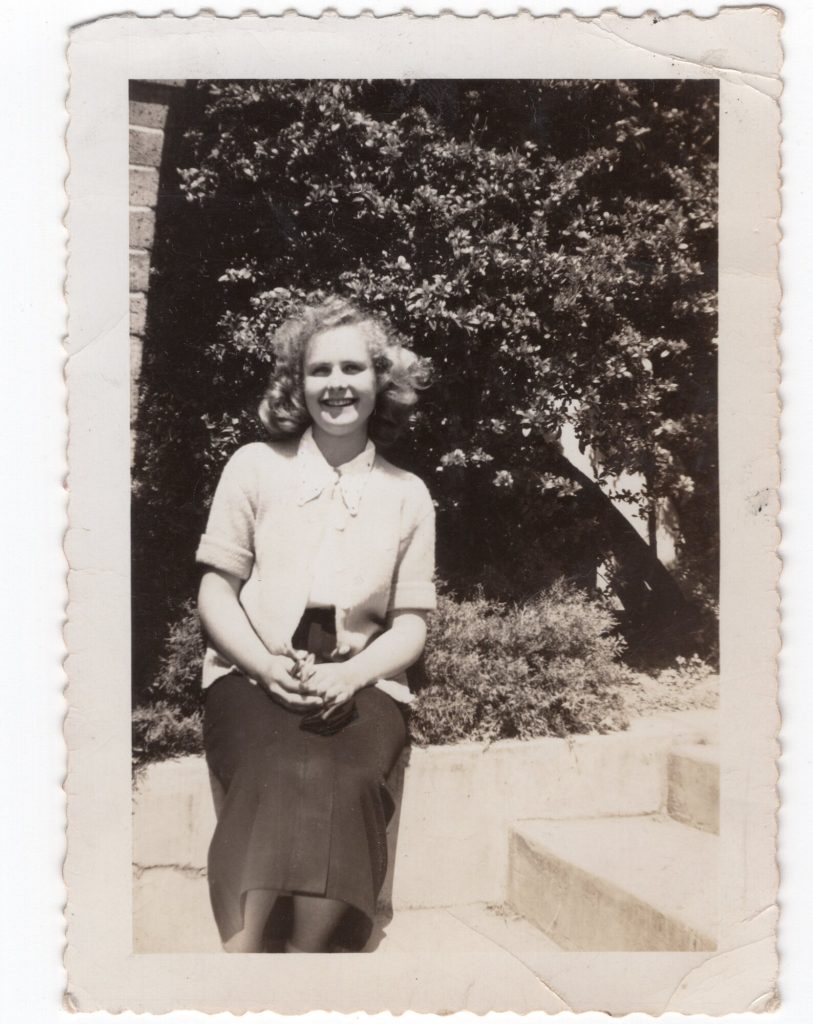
point(319, 562)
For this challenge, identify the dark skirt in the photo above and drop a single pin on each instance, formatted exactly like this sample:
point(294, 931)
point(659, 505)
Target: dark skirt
point(302, 812)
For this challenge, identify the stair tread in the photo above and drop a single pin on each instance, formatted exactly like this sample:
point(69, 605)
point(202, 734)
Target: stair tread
point(661, 862)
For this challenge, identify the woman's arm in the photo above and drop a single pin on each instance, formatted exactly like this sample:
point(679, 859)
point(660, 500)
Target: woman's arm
point(234, 638)
point(390, 653)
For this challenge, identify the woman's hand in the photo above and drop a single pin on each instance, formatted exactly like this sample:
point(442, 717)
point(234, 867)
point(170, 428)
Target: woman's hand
point(333, 683)
point(280, 682)
point(235, 639)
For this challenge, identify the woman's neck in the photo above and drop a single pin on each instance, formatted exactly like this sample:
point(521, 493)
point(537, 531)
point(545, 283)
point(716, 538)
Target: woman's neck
point(338, 450)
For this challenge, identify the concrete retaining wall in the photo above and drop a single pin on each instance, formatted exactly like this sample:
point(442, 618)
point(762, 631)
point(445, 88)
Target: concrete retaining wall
point(456, 804)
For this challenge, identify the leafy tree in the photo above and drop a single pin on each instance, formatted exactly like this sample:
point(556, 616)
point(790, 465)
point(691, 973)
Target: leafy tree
point(550, 246)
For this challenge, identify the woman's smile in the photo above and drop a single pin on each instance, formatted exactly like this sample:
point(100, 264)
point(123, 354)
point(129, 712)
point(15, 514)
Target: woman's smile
point(333, 402)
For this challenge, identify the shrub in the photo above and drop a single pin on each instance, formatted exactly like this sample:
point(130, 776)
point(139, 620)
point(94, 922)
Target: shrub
point(161, 731)
point(169, 722)
point(550, 667)
point(178, 676)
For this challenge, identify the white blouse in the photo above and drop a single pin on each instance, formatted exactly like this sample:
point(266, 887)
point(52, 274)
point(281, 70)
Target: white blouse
point(345, 485)
point(298, 533)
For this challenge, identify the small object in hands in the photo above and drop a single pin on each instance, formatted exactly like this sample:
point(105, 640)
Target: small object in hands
point(325, 724)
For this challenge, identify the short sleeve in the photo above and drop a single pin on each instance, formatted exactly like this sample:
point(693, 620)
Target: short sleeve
point(228, 542)
point(414, 584)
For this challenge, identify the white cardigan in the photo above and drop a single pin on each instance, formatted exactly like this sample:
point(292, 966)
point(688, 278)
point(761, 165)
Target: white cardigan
point(266, 524)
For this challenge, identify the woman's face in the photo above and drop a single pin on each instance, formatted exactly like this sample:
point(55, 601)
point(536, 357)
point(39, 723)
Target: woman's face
point(340, 382)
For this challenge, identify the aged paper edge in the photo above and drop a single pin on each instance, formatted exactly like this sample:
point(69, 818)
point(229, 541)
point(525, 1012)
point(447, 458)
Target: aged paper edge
point(748, 509)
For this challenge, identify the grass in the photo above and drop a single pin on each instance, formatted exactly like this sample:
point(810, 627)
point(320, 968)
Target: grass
point(690, 684)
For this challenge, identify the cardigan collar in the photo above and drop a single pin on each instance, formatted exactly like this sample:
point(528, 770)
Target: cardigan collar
point(316, 473)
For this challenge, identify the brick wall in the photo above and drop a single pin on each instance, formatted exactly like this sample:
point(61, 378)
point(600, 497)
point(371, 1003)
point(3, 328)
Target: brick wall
point(150, 108)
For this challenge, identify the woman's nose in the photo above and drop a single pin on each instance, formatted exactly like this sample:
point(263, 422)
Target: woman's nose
point(337, 379)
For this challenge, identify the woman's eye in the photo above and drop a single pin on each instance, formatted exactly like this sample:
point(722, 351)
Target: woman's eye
point(319, 371)
point(354, 368)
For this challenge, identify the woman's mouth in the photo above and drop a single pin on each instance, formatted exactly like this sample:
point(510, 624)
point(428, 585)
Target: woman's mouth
point(337, 403)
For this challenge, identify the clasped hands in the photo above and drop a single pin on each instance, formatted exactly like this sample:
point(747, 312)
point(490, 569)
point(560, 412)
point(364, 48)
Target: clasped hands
point(293, 679)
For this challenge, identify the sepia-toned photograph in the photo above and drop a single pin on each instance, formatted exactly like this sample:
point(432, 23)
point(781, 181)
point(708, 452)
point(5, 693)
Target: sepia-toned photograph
point(425, 483)
point(423, 514)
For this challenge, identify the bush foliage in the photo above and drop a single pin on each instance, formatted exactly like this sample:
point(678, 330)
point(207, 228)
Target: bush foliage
point(168, 720)
point(550, 246)
point(548, 667)
point(162, 730)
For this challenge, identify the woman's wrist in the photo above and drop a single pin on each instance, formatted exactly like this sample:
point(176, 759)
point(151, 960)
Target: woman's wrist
point(390, 653)
point(272, 664)
point(356, 678)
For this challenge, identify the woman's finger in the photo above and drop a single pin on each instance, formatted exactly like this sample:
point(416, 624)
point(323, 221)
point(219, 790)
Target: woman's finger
point(286, 680)
point(294, 684)
point(305, 687)
point(292, 700)
point(288, 691)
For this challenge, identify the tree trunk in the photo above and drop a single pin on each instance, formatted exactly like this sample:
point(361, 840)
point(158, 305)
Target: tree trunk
point(658, 617)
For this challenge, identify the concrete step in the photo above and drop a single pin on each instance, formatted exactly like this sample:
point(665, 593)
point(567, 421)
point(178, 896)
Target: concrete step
point(633, 884)
point(693, 786)
point(172, 913)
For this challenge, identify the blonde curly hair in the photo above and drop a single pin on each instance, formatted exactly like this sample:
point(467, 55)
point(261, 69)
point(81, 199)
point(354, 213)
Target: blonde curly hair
point(400, 374)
